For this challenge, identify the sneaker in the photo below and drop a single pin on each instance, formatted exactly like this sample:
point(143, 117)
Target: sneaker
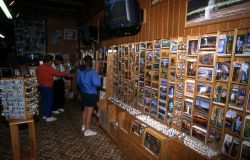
point(89, 133)
point(50, 119)
point(83, 128)
point(61, 110)
point(55, 112)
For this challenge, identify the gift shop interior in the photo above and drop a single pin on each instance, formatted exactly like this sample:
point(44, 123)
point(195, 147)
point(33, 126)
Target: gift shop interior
point(173, 79)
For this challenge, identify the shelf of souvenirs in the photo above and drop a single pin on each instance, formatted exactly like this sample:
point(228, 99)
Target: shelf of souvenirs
point(187, 140)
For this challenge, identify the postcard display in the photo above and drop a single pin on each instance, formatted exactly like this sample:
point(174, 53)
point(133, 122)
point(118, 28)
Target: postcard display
point(198, 85)
point(19, 97)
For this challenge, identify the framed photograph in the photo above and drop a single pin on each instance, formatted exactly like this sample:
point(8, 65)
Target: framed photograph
point(70, 34)
point(193, 47)
point(247, 45)
point(157, 44)
point(161, 117)
point(186, 126)
point(163, 86)
point(246, 127)
point(233, 121)
point(173, 46)
point(214, 138)
point(229, 46)
point(206, 58)
point(165, 43)
point(147, 92)
point(157, 55)
point(200, 119)
point(173, 61)
point(222, 44)
point(191, 67)
point(217, 116)
point(137, 128)
point(244, 77)
point(220, 94)
point(235, 148)
point(236, 71)
point(208, 42)
point(245, 148)
point(188, 107)
point(248, 102)
point(203, 90)
point(143, 45)
point(152, 143)
point(169, 119)
point(214, 11)
point(171, 91)
point(227, 144)
point(223, 70)
point(205, 74)
point(170, 105)
point(189, 88)
point(199, 133)
point(182, 46)
point(238, 96)
point(240, 41)
point(172, 75)
point(149, 45)
point(202, 104)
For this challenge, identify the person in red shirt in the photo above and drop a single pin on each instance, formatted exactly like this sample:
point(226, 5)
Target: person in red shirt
point(45, 74)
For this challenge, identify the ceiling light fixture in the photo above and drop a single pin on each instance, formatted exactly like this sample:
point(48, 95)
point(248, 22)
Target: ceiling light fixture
point(11, 3)
point(5, 9)
point(2, 36)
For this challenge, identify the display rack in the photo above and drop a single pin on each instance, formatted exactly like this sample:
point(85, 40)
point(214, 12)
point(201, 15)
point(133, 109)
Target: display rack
point(198, 85)
point(19, 97)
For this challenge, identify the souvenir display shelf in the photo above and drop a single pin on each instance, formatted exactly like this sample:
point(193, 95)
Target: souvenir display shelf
point(198, 85)
point(19, 97)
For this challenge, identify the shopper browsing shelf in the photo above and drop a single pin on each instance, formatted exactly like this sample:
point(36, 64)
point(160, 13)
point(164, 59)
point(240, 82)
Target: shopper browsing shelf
point(45, 73)
point(88, 81)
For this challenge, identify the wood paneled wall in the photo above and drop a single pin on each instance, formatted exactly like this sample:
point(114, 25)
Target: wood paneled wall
point(167, 19)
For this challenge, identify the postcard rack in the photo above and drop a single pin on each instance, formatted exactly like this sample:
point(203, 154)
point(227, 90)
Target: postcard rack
point(19, 97)
point(197, 84)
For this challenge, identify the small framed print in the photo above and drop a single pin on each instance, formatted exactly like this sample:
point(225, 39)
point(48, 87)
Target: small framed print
point(205, 74)
point(202, 104)
point(203, 90)
point(171, 91)
point(231, 146)
point(214, 138)
point(189, 88)
point(240, 41)
point(157, 45)
point(237, 97)
point(245, 148)
point(149, 56)
point(247, 45)
point(165, 43)
point(70, 34)
point(193, 47)
point(208, 42)
point(223, 70)
point(173, 46)
point(149, 45)
point(233, 121)
point(199, 133)
point(217, 116)
point(244, 77)
point(220, 94)
point(143, 45)
point(188, 107)
point(137, 128)
point(248, 102)
point(206, 59)
point(152, 143)
point(172, 75)
point(246, 127)
point(236, 71)
point(191, 67)
point(182, 46)
point(222, 44)
point(229, 46)
point(186, 126)
point(200, 119)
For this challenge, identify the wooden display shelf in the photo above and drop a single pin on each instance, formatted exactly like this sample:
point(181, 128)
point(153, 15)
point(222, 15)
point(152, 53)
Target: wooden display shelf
point(17, 153)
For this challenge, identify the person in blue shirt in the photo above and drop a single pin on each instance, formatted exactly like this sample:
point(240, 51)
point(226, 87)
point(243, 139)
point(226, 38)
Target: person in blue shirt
point(88, 81)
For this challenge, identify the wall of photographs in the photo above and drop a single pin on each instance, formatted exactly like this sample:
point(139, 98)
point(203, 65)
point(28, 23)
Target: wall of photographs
point(198, 85)
point(19, 97)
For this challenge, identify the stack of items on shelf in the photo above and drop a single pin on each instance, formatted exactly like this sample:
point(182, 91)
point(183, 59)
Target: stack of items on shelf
point(198, 85)
point(19, 97)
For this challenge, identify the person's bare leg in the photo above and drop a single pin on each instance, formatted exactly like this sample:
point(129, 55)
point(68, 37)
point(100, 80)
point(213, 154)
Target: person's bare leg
point(84, 115)
point(88, 117)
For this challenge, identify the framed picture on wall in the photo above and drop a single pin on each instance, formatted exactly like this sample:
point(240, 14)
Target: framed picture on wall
point(210, 11)
point(70, 34)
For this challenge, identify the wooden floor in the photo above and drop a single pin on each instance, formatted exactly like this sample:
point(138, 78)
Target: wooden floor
point(63, 139)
